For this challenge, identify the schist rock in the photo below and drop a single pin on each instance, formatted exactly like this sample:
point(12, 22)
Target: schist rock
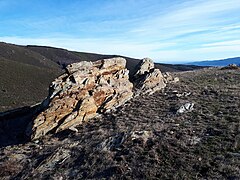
point(87, 88)
point(90, 88)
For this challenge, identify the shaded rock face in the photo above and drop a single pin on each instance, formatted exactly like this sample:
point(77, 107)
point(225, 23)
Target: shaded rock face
point(148, 80)
point(87, 88)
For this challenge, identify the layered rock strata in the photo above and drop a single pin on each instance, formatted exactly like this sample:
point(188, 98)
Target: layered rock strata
point(78, 95)
point(89, 88)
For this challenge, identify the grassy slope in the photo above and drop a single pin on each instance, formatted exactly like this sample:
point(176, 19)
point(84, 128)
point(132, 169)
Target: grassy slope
point(57, 55)
point(23, 84)
point(24, 75)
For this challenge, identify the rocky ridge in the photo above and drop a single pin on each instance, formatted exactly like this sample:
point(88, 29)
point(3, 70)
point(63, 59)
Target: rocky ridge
point(90, 88)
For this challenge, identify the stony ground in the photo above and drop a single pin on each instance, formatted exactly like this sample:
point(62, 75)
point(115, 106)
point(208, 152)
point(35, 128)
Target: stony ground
point(146, 139)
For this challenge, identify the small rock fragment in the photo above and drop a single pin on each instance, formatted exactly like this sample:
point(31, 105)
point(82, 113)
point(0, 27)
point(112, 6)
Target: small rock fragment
point(113, 142)
point(194, 140)
point(231, 67)
point(144, 135)
point(185, 108)
point(185, 94)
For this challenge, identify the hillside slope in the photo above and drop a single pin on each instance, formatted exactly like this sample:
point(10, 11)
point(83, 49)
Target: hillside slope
point(23, 84)
point(24, 76)
point(23, 55)
point(64, 57)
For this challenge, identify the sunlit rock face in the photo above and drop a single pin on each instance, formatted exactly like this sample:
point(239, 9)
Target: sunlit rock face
point(148, 80)
point(87, 88)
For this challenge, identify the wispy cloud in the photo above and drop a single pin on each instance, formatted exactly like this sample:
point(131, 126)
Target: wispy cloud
point(103, 46)
point(223, 43)
point(177, 30)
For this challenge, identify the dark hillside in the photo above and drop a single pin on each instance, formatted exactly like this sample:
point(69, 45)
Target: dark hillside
point(23, 84)
point(27, 71)
point(23, 55)
point(64, 57)
point(176, 67)
point(60, 56)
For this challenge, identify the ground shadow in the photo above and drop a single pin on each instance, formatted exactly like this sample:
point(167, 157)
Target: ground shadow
point(13, 125)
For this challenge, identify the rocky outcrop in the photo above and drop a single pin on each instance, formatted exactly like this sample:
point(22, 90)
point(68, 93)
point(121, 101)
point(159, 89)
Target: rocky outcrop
point(148, 80)
point(86, 89)
point(89, 88)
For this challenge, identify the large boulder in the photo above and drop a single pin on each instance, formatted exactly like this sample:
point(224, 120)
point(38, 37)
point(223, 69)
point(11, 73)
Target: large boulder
point(147, 80)
point(87, 88)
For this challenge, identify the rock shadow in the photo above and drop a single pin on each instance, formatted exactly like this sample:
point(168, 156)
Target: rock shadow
point(13, 125)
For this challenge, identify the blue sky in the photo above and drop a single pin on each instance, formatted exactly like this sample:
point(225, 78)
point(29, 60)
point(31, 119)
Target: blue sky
point(164, 30)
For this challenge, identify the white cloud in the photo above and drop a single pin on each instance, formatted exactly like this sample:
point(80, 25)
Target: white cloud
point(234, 43)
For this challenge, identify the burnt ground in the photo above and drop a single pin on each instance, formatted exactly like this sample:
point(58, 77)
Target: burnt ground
point(146, 138)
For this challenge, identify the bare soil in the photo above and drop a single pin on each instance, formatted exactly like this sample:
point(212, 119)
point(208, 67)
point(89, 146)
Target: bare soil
point(146, 138)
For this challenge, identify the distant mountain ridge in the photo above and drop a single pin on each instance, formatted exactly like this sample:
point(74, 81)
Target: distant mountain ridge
point(222, 62)
point(27, 71)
